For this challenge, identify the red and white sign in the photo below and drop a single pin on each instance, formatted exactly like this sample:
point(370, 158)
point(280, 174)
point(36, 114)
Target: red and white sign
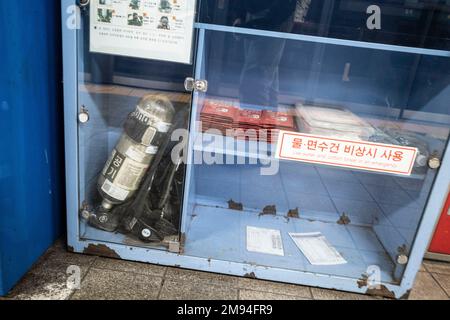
point(345, 153)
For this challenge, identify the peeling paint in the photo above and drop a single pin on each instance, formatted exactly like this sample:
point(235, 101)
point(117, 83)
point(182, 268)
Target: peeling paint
point(101, 250)
point(235, 205)
point(382, 291)
point(269, 210)
point(250, 275)
point(294, 213)
point(379, 291)
point(344, 220)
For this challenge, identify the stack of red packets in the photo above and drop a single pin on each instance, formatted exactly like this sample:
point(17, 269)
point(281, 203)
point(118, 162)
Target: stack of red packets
point(274, 121)
point(247, 124)
point(218, 115)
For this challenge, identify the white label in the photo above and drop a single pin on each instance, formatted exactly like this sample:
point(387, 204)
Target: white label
point(152, 150)
point(114, 191)
point(316, 249)
point(163, 127)
point(135, 154)
point(264, 241)
point(346, 153)
point(149, 29)
point(130, 175)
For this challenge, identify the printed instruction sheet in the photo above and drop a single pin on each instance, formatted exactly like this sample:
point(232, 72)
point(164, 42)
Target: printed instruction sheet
point(317, 249)
point(149, 29)
point(264, 241)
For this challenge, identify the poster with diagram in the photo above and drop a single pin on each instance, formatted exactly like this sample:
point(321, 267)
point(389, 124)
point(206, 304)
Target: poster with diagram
point(148, 29)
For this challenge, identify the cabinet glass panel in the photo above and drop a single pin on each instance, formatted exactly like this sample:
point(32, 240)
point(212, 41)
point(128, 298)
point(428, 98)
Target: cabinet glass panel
point(413, 23)
point(356, 112)
point(128, 109)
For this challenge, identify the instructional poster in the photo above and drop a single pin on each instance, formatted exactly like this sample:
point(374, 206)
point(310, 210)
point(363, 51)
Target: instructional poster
point(149, 29)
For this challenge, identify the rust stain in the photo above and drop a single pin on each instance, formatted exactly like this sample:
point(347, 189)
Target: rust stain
point(344, 220)
point(101, 250)
point(235, 205)
point(381, 291)
point(269, 210)
point(363, 281)
point(294, 213)
point(250, 275)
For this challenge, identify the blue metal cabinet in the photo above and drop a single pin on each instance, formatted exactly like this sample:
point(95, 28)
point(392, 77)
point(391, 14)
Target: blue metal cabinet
point(31, 183)
point(287, 57)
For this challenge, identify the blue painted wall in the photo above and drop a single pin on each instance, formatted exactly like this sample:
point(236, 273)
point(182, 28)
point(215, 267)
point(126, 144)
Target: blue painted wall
point(31, 136)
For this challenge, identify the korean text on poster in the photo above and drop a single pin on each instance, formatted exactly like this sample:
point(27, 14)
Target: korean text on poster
point(149, 29)
point(344, 153)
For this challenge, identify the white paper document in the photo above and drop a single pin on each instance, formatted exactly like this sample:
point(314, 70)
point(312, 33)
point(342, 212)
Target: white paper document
point(317, 249)
point(264, 241)
point(149, 29)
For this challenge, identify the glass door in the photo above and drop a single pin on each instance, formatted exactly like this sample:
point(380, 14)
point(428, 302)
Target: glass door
point(131, 99)
point(313, 154)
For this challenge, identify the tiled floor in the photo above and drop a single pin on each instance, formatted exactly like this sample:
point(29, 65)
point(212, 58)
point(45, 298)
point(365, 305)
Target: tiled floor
point(115, 279)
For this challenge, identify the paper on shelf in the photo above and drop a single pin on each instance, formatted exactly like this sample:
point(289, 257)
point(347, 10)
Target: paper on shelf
point(264, 241)
point(317, 249)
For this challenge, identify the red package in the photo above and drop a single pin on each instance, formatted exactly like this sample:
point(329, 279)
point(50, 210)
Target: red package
point(273, 119)
point(216, 109)
point(249, 118)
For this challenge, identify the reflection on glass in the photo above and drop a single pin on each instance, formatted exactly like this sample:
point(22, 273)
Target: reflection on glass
point(260, 73)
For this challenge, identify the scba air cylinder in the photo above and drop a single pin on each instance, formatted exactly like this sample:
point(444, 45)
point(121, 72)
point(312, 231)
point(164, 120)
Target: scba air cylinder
point(144, 132)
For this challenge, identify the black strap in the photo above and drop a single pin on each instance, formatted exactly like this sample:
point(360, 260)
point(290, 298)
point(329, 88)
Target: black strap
point(136, 130)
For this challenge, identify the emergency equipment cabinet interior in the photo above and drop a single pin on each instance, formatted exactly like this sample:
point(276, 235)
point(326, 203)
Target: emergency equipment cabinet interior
point(298, 141)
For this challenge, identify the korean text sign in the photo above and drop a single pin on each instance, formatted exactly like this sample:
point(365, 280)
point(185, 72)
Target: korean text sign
point(149, 29)
point(344, 153)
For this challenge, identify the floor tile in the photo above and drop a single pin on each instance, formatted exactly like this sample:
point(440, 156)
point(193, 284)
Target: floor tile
point(40, 286)
point(307, 186)
point(359, 212)
point(347, 190)
point(443, 280)
point(274, 288)
point(101, 284)
point(437, 266)
point(316, 203)
point(426, 288)
point(336, 175)
point(59, 265)
point(128, 266)
point(200, 277)
point(187, 290)
point(395, 196)
point(260, 295)
point(117, 279)
point(376, 179)
point(325, 294)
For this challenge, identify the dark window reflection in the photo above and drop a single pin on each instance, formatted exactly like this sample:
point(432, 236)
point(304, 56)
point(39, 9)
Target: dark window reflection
point(418, 23)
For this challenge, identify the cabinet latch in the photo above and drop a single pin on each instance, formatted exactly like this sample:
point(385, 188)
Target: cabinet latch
point(434, 162)
point(83, 116)
point(191, 85)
